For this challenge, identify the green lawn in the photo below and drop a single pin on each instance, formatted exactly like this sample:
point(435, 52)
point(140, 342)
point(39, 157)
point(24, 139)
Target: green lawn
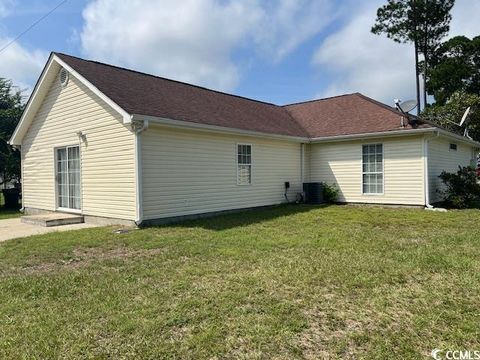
point(289, 282)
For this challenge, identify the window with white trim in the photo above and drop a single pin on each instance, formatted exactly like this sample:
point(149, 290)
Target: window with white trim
point(372, 169)
point(244, 164)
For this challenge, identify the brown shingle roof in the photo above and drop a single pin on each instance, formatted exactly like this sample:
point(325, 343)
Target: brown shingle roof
point(347, 115)
point(143, 94)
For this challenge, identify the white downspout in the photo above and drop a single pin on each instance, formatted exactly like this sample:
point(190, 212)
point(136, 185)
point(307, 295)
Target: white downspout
point(302, 163)
point(138, 127)
point(425, 168)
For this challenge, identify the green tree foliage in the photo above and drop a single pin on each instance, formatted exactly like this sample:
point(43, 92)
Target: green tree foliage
point(421, 22)
point(450, 114)
point(455, 67)
point(11, 108)
point(461, 188)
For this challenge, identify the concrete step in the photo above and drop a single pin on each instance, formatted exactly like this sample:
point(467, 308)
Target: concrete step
point(54, 219)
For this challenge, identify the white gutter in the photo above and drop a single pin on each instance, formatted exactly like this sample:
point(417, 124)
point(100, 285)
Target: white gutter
point(138, 167)
point(371, 135)
point(458, 137)
point(302, 163)
point(215, 128)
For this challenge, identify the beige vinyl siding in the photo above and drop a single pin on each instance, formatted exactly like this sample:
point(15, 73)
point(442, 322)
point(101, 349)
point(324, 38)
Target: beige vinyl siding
point(190, 172)
point(107, 160)
point(340, 163)
point(307, 163)
point(441, 158)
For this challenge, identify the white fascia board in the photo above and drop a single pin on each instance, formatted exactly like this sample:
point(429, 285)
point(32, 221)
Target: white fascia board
point(460, 138)
point(35, 98)
point(126, 116)
point(216, 129)
point(381, 134)
point(409, 132)
point(22, 126)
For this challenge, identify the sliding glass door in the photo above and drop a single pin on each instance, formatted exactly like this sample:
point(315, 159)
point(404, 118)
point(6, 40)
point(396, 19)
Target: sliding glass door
point(68, 178)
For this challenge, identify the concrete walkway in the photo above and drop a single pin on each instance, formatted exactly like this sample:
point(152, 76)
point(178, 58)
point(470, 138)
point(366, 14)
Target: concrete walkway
point(13, 228)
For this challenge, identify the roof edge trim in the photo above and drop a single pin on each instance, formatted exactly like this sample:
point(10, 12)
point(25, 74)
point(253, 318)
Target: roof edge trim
point(215, 128)
point(27, 117)
point(392, 133)
point(457, 137)
point(14, 140)
point(127, 118)
point(371, 135)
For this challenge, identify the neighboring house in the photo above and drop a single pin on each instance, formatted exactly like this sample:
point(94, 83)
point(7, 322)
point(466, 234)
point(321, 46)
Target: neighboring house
point(118, 144)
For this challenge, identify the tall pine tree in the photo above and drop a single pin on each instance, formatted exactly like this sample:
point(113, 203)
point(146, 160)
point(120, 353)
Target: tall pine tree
point(421, 22)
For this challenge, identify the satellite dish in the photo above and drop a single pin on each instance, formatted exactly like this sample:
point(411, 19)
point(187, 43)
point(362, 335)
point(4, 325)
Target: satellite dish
point(406, 106)
point(464, 117)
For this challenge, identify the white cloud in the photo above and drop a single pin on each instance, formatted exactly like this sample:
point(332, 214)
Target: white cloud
point(361, 61)
point(288, 23)
point(189, 40)
point(465, 18)
point(195, 40)
point(5, 7)
point(374, 65)
point(20, 65)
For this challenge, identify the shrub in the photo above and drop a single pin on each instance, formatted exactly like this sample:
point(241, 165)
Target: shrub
point(461, 188)
point(330, 192)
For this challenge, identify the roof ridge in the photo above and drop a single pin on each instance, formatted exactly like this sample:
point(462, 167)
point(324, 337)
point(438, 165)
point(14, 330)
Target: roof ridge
point(379, 103)
point(321, 99)
point(168, 79)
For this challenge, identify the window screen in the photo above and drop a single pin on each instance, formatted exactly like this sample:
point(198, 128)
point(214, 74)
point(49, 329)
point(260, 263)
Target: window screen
point(244, 164)
point(372, 167)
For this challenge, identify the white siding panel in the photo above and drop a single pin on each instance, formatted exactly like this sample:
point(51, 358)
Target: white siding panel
point(307, 162)
point(441, 158)
point(107, 160)
point(190, 172)
point(340, 163)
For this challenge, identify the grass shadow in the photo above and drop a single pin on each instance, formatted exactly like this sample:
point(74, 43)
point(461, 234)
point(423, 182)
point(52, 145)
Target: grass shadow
point(6, 213)
point(245, 217)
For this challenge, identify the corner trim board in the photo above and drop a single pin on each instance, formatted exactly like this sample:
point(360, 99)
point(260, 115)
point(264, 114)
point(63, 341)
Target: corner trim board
point(138, 127)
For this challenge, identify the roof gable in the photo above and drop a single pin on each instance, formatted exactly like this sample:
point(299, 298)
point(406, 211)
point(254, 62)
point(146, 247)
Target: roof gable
point(41, 89)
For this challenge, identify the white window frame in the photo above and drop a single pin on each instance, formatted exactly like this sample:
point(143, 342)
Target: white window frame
point(366, 173)
point(55, 157)
point(251, 163)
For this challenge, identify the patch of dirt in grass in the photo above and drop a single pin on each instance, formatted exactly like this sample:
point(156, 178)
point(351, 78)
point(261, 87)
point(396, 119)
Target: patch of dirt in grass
point(180, 333)
point(339, 325)
point(82, 257)
point(328, 329)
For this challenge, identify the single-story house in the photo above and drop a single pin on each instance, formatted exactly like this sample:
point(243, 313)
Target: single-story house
point(112, 143)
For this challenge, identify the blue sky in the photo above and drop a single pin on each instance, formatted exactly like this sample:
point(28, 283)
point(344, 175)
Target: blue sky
point(279, 51)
